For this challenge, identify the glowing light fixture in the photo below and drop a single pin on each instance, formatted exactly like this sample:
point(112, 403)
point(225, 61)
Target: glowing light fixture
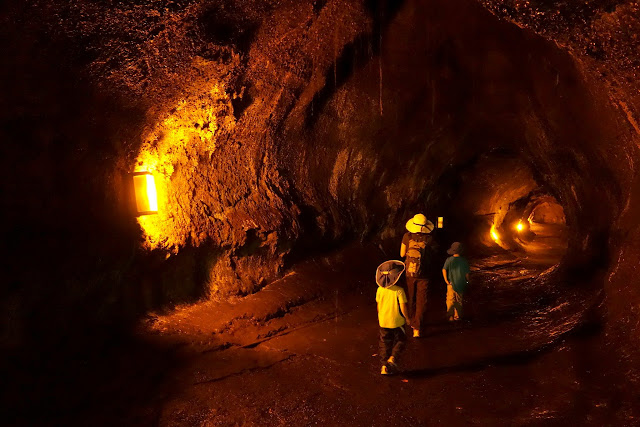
point(145, 191)
point(440, 222)
point(520, 226)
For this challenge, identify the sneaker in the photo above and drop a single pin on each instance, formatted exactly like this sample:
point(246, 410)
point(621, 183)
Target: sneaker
point(392, 367)
point(416, 333)
point(384, 371)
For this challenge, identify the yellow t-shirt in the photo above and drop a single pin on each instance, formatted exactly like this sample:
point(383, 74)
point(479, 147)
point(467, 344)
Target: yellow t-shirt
point(388, 309)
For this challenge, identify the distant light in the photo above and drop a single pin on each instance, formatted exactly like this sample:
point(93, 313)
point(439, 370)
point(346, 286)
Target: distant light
point(144, 186)
point(520, 226)
point(440, 222)
point(494, 233)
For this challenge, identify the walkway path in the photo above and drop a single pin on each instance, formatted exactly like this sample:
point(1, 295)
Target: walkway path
point(303, 351)
point(315, 361)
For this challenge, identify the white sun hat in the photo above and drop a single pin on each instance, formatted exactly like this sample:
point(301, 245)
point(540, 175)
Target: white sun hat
point(419, 224)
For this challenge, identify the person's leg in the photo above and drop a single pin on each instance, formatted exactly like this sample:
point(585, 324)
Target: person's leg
point(400, 340)
point(411, 296)
point(457, 304)
point(450, 303)
point(386, 344)
point(421, 303)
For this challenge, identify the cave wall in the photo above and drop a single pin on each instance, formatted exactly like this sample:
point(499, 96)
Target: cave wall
point(279, 127)
point(455, 84)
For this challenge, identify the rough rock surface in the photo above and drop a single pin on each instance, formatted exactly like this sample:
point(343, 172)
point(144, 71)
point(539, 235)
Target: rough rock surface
point(278, 128)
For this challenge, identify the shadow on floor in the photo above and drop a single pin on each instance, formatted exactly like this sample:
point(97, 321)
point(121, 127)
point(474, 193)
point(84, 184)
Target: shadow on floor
point(517, 358)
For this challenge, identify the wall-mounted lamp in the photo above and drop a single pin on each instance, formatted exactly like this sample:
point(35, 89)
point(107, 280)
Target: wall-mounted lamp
point(144, 187)
point(440, 222)
point(520, 226)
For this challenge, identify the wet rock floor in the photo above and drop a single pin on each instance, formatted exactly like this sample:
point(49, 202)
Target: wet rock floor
point(303, 351)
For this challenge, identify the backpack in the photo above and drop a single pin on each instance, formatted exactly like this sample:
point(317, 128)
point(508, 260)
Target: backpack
point(416, 259)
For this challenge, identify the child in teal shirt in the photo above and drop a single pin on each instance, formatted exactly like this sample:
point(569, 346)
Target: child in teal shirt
point(456, 274)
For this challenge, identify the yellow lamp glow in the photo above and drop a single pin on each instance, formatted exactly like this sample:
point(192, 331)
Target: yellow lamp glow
point(494, 233)
point(520, 226)
point(440, 222)
point(145, 191)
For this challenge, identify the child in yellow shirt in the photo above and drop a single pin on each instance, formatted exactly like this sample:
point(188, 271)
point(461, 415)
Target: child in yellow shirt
point(392, 314)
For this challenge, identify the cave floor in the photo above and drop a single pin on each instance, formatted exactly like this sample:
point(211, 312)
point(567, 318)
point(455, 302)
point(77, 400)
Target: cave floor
point(297, 353)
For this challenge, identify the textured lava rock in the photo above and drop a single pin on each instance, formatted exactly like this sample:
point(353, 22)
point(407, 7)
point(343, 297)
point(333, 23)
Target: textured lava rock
point(276, 128)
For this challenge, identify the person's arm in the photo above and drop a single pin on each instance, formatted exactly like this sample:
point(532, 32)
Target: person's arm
point(405, 312)
point(444, 274)
point(404, 244)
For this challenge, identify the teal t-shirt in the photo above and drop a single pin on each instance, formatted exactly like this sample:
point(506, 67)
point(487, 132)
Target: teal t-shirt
point(457, 269)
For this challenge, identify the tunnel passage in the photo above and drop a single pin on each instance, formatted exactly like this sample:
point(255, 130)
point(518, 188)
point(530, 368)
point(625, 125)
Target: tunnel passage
point(545, 229)
point(298, 127)
point(455, 94)
point(546, 210)
point(499, 206)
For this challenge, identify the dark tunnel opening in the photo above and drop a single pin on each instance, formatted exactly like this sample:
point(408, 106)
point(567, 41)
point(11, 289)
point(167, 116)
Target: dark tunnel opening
point(290, 142)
